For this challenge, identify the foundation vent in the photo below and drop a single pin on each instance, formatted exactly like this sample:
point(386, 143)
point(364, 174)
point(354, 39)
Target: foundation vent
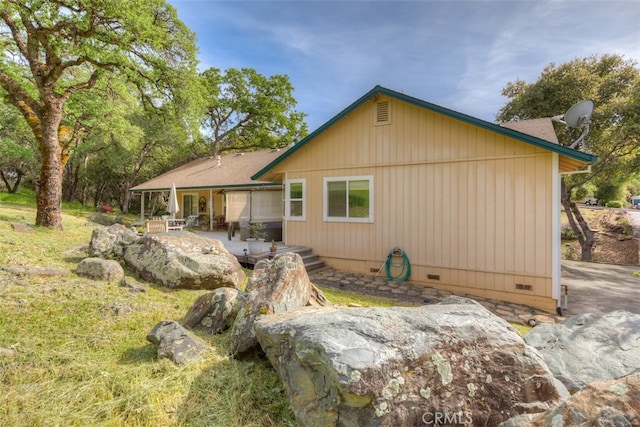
point(524, 287)
point(383, 114)
point(433, 276)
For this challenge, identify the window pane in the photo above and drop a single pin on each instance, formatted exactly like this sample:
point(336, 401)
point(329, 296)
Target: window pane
point(359, 199)
point(295, 190)
point(296, 208)
point(337, 192)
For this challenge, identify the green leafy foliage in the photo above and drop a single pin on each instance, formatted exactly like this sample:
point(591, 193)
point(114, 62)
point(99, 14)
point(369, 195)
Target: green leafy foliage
point(247, 111)
point(52, 51)
point(613, 84)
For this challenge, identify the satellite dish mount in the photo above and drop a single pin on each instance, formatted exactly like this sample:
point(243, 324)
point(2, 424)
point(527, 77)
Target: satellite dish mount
point(576, 117)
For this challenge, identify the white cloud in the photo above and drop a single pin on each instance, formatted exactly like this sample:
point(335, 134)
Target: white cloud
point(458, 54)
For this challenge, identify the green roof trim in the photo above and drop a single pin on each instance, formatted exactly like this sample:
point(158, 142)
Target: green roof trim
point(556, 148)
point(275, 185)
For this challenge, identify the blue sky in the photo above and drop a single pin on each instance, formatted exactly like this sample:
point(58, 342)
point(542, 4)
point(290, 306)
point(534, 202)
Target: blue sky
point(457, 54)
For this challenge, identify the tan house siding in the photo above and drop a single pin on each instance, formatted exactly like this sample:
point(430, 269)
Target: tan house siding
point(450, 194)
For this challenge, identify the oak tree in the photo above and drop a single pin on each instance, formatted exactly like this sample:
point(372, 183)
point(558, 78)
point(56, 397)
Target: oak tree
point(613, 83)
point(50, 50)
point(248, 111)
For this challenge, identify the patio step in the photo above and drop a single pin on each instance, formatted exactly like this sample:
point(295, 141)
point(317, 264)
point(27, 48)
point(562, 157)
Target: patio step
point(311, 261)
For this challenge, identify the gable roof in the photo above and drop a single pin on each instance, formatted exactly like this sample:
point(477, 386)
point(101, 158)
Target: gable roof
point(540, 128)
point(379, 90)
point(233, 170)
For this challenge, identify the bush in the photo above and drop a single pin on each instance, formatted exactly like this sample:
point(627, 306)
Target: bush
point(567, 234)
point(614, 204)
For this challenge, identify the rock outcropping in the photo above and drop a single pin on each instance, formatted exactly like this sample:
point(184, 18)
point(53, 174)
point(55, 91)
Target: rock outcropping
point(395, 366)
point(100, 269)
point(111, 242)
point(184, 260)
point(214, 311)
point(609, 403)
point(175, 343)
point(275, 286)
point(591, 347)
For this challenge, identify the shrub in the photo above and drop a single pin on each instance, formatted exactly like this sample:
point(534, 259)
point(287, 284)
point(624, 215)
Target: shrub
point(614, 204)
point(567, 234)
point(258, 230)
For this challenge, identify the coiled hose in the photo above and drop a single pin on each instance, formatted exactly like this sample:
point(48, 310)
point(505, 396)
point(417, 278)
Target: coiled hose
point(403, 265)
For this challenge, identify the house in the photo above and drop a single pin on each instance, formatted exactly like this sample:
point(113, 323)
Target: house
point(221, 186)
point(474, 206)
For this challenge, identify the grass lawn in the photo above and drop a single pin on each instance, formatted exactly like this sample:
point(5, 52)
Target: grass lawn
point(73, 351)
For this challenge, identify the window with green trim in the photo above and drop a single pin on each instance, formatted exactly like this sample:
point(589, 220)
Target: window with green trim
point(348, 199)
point(294, 201)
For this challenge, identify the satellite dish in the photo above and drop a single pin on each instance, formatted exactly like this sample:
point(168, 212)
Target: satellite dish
point(577, 116)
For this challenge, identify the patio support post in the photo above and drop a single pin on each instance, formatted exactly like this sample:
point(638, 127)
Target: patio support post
point(142, 209)
point(211, 209)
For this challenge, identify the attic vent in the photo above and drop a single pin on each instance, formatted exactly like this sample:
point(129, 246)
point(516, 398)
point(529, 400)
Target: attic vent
point(383, 116)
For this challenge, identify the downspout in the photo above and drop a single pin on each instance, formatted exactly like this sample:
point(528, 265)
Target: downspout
point(556, 266)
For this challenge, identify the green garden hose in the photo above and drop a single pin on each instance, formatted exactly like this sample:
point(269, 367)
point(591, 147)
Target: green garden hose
point(404, 266)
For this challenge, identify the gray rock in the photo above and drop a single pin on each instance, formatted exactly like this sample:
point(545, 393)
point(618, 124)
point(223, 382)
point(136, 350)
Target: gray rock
point(184, 260)
point(21, 227)
point(175, 343)
point(132, 285)
point(215, 311)
point(25, 270)
point(318, 299)
point(111, 242)
point(589, 347)
point(394, 366)
point(275, 286)
point(609, 403)
point(100, 269)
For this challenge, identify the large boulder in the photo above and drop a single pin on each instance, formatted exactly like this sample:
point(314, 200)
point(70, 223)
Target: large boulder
point(214, 311)
point(405, 366)
point(175, 343)
point(100, 269)
point(589, 347)
point(184, 260)
point(275, 286)
point(609, 403)
point(111, 242)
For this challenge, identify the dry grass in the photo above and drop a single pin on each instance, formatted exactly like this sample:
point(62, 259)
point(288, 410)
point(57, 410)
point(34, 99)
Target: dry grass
point(614, 244)
point(75, 350)
point(79, 361)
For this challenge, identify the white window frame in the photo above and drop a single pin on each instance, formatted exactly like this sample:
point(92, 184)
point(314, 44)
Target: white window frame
point(325, 207)
point(288, 200)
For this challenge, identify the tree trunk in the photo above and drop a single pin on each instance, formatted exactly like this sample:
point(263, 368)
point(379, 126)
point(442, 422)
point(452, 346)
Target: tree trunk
point(127, 199)
point(70, 182)
point(49, 195)
point(12, 189)
point(578, 224)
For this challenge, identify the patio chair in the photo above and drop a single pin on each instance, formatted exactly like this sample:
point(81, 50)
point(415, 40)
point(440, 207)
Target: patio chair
point(221, 223)
point(157, 226)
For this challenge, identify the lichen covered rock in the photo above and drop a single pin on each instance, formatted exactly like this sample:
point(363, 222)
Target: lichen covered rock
point(395, 366)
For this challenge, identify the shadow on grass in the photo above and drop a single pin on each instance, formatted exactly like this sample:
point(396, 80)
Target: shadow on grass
point(139, 355)
point(232, 392)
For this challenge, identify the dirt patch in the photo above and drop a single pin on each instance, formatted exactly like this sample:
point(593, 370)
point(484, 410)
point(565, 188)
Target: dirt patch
point(615, 243)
